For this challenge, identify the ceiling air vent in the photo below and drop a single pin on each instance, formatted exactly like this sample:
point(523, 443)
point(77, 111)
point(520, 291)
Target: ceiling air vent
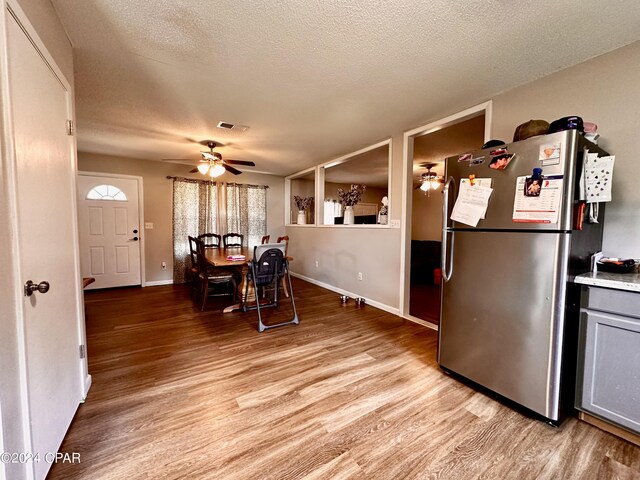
point(232, 126)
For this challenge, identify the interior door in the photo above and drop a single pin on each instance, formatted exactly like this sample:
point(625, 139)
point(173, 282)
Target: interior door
point(47, 244)
point(109, 230)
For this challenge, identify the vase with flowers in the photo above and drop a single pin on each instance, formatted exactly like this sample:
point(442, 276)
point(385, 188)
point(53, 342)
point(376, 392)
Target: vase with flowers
point(384, 211)
point(303, 203)
point(349, 198)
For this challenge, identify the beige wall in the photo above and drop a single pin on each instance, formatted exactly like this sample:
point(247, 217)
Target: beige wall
point(603, 90)
point(158, 194)
point(426, 215)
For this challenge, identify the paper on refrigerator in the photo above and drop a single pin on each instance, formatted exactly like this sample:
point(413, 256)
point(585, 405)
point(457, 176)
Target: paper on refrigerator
point(471, 204)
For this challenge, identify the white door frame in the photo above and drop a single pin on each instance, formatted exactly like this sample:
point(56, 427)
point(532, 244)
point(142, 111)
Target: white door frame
point(407, 171)
point(142, 231)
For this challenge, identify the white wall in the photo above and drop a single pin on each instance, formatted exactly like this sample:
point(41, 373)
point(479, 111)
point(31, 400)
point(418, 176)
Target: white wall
point(158, 197)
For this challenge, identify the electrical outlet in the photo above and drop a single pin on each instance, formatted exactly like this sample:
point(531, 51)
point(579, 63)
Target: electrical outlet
point(394, 223)
point(148, 226)
point(164, 265)
point(317, 264)
point(359, 275)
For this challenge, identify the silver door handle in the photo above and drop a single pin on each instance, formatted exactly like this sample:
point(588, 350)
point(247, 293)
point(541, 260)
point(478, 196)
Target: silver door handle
point(30, 287)
point(447, 270)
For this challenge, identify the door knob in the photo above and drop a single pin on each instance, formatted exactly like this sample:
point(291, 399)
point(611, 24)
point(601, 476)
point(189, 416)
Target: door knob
point(30, 287)
point(135, 231)
point(135, 239)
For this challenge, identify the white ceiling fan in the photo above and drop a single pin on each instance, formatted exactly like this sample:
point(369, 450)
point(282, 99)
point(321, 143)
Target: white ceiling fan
point(213, 164)
point(429, 180)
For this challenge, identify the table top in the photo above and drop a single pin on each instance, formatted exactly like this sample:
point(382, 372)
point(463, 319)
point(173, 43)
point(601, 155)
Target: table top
point(218, 256)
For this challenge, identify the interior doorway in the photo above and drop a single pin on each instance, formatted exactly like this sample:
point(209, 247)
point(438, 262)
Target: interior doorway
point(427, 149)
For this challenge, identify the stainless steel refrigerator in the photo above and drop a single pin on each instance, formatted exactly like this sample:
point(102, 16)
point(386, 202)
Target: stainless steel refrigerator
point(509, 311)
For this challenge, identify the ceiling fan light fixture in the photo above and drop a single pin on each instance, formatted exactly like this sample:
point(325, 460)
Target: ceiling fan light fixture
point(203, 168)
point(216, 170)
point(425, 186)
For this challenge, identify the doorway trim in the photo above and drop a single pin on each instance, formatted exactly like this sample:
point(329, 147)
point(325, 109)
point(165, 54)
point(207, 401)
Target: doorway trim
point(138, 179)
point(407, 172)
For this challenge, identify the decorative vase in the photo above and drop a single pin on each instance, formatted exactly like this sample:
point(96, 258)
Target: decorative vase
point(383, 219)
point(302, 217)
point(348, 215)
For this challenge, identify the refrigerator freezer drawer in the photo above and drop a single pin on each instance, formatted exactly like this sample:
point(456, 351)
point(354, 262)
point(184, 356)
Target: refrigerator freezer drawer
point(503, 314)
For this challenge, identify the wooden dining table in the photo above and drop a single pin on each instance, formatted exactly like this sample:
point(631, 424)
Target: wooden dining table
point(218, 257)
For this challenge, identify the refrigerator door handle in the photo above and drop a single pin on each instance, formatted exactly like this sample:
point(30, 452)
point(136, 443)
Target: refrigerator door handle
point(447, 269)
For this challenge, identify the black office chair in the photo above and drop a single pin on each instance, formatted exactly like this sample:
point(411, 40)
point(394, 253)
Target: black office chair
point(266, 269)
point(232, 240)
point(213, 281)
point(211, 240)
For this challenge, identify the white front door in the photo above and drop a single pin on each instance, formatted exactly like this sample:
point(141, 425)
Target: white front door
point(109, 230)
point(47, 247)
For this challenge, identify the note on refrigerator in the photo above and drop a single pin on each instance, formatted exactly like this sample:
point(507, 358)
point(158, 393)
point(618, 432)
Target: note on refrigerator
point(541, 207)
point(483, 182)
point(598, 178)
point(471, 203)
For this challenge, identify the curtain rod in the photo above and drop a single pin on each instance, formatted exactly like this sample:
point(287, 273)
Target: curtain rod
point(196, 180)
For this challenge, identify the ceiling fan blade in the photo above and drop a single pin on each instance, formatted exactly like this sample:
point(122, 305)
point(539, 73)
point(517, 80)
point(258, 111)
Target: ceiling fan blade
point(240, 162)
point(417, 186)
point(190, 160)
point(230, 169)
point(195, 170)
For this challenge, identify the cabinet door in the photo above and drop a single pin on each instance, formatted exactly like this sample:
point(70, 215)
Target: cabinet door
point(610, 386)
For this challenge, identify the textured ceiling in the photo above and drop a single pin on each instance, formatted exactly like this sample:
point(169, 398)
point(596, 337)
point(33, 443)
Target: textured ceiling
point(314, 80)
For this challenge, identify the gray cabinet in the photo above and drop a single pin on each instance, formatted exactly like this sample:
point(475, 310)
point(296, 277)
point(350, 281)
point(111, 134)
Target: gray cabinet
point(608, 385)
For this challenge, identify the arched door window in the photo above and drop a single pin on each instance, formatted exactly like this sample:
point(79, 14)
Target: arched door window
point(106, 192)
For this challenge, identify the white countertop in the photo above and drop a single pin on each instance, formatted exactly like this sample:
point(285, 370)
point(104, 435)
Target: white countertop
point(619, 281)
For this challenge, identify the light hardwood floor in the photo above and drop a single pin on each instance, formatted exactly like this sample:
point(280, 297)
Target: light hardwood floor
point(349, 393)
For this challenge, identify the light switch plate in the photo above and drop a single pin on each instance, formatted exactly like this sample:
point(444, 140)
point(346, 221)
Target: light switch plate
point(148, 226)
point(394, 223)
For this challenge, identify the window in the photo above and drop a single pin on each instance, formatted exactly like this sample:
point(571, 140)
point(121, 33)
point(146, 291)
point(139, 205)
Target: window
point(370, 167)
point(210, 207)
point(106, 192)
point(301, 198)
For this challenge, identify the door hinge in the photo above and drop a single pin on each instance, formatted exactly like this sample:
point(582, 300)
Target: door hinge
point(70, 127)
point(83, 351)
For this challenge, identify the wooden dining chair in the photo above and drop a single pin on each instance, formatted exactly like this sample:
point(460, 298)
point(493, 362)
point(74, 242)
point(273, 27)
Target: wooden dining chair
point(195, 269)
point(265, 239)
point(232, 240)
point(211, 240)
point(213, 280)
point(284, 239)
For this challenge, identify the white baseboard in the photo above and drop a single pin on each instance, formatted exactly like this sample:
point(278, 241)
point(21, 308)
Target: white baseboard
point(419, 321)
point(87, 386)
point(158, 282)
point(368, 301)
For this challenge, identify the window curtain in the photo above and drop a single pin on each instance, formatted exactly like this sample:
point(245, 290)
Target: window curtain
point(246, 212)
point(209, 207)
point(195, 207)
